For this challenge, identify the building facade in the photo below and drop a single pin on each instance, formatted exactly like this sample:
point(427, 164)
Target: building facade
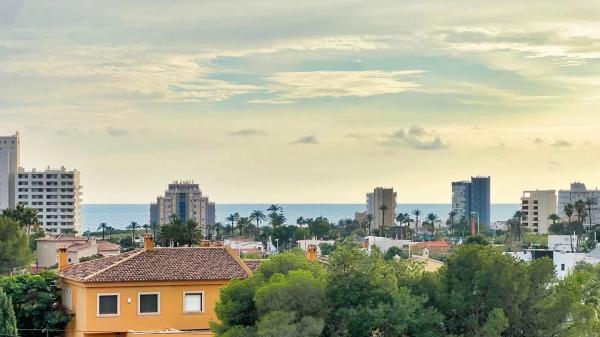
point(536, 207)
point(472, 199)
point(211, 214)
point(149, 292)
point(9, 164)
point(578, 191)
point(382, 196)
point(55, 194)
point(185, 200)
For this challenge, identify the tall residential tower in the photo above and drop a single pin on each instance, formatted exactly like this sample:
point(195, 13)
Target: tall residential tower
point(9, 164)
point(472, 199)
point(382, 197)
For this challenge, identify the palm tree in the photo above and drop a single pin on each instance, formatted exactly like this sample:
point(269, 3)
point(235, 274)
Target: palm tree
point(102, 227)
point(168, 235)
point(134, 225)
point(382, 208)
point(368, 223)
point(191, 232)
point(275, 208)
point(218, 229)
point(258, 216)
point(589, 202)
point(110, 229)
point(580, 210)
point(401, 219)
point(416, 213)
point(451, 216)
point(232, 219)
point(154, 227)
point(569, 210)
point(243, 223)
point(146, 227)
point(432, 217)
point(553, 217)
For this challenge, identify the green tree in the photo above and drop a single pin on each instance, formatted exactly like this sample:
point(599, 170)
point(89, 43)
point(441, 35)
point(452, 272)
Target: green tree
point(133, 226)
point(26, 217)
point(258, 216)
point(431, 219)
point(589, 202)
point(103, 227)
point(393, 251)
point(319, 227)
point(580, 210)
point(383, 308)
point(477, 239)
point(232, 219)
point(37, 303)
point(191, 232)
point(382, 208)
point(8, 321)
point(569, 209)
point(14, 246)
point(553, 217)
point(416, 213)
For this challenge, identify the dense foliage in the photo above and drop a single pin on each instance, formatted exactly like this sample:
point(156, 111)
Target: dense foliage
point(8, 321)
point(480, 292)
point(14, 246)
point(36, 303)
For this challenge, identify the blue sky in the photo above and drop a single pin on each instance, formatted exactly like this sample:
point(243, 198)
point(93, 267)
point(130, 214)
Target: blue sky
point(304, 101)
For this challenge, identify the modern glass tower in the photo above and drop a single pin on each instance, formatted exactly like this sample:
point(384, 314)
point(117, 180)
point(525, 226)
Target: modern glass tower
point(472, 198)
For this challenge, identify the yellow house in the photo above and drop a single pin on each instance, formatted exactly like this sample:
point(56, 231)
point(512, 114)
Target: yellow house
point(147, 292)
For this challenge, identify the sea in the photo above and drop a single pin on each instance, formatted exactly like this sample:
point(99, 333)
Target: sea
point(121, 215)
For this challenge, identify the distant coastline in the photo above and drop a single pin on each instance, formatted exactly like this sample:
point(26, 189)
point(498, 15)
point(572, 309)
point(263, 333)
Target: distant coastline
point(120, 215)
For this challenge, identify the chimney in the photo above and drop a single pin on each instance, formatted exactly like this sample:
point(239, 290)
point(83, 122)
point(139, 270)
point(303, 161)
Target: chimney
point(311, 253)
point(148, 241)
point(63, 258)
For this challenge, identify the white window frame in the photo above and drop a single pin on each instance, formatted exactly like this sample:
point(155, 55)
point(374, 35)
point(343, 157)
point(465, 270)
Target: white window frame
point(98, 314)
point(67, 295)
point(192, 292)
point(139, 303)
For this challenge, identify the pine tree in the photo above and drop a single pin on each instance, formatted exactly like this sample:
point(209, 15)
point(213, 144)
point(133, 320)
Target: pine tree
point(8, 322)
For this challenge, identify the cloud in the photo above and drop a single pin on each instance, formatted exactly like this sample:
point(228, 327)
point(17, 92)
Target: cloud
point(117, 132)
point(561, 143)
point(416, 138)
point(538, 141)
point(310, 139)
point(311, 84)
point(248, 133)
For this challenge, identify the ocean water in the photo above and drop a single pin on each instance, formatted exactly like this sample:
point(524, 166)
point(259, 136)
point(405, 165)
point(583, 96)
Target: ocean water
point(120, 215)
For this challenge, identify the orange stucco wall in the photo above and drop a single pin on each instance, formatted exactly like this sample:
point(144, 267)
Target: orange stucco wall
point(86, 321)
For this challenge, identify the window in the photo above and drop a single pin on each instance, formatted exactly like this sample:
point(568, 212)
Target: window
point(562, 266)
point(108, 304)
point(148, 303)
point(193, 302)
point(67, 297)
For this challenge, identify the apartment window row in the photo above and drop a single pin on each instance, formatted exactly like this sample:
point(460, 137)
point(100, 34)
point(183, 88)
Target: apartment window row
point(148, 303)
point(41, 176)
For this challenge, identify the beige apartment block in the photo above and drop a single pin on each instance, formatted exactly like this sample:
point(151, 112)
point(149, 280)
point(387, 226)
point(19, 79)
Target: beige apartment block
point(536, 206)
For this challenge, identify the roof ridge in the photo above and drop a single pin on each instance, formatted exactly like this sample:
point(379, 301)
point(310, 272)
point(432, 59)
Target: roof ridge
point(112, 265)
point(239, 261)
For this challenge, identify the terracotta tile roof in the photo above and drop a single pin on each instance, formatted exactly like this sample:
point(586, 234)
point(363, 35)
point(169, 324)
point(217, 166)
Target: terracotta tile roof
point(78, 247)
point(253, 264)
point(62, 238)
point(161, 264)
point(107, 245)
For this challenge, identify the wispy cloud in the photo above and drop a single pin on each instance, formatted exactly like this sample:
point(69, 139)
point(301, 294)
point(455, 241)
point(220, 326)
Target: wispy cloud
point(417, 138)
point(248, 133)
point(310, 139)
point(117, 132)
point(561, 143)
point(312, 84)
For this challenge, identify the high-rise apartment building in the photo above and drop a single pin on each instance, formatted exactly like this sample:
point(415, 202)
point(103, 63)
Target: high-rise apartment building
point(211, 214)
point(536, 207)
point(55, 194)
point(183, 199)
point(472, 199)
point(9, 164)
point(578, 191)
point(382, 196)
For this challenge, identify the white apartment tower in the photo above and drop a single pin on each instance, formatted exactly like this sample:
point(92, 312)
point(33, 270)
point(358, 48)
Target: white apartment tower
point(536, 207)
point(578, 191)
point(9, 164)
point(55, 194)
point(183, 199)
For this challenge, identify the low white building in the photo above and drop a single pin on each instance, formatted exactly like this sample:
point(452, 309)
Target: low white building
point(384, 243)
point(304, 244)
point(562, 243)
point(242, 245)
point(564, 262)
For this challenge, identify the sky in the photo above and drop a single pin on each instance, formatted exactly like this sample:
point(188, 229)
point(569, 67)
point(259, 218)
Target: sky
point(304, 101)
